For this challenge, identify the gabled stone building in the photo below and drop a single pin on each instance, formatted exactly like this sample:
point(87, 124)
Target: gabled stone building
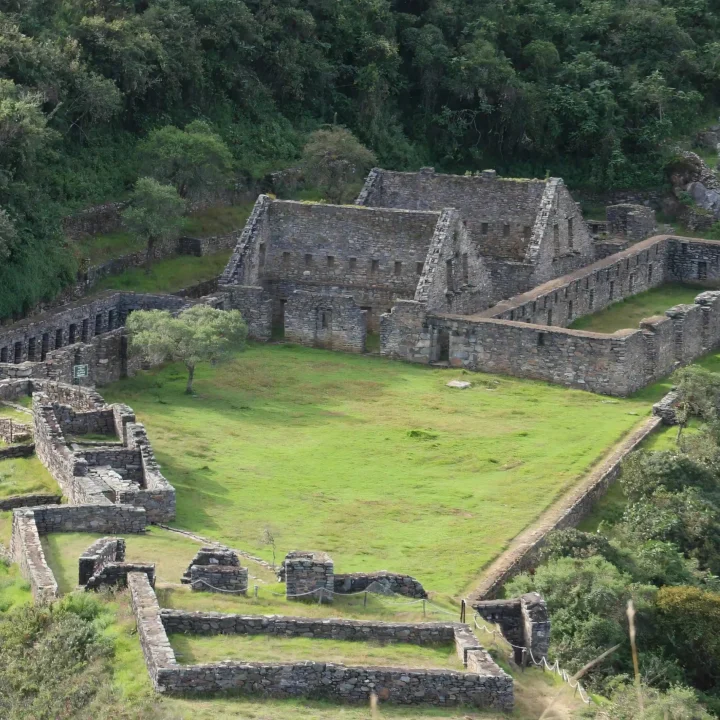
point(456, 243)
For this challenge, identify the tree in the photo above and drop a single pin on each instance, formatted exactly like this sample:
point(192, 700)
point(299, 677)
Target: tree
point(332, 159)
point(199, 334)
point(698, 393)
point(8, 234)
point(154, 213)
point(193, 159)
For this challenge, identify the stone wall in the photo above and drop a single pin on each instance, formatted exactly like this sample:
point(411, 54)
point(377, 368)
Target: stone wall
point(153, 639)
point(94, 220)
point(34, 338)
point(634, 222)
point(26, 550)
point(307, 574)
point(500, 213)
point(693, 261)
point(99, 554)
point(455, 277)
point(115, 574)
point(486, 685)
point(125, 472)
point(208, 623)
point(219, 578)
point(119, 519)
point(575, 508)
point(256, 307)
point(243, 266)
point(18, 501)
point(379, 582)
point(328, 321)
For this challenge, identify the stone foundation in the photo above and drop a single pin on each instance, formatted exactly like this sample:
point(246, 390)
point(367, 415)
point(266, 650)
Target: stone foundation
point(484, 685)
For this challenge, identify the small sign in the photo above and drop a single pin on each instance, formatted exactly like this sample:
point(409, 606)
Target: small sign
point(80, 371)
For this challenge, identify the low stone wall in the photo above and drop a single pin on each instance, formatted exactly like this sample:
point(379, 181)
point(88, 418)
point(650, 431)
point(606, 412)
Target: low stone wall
point(344, 684)
point(18, 501)
point(17, 451)
point(307, 574)
point(115, 574)
point(153, 638)
point(26, 550)
point(205, 623)
point(121, 519)
point(523, 621)
point(486, 686)
point(219, 578)
point(102, 551)
point(392, 582)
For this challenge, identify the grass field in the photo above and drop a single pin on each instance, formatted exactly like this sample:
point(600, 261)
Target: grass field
point(376, 462)
point(25, 475)
point(628, 313)
point(168, 275)
point(191, 649)
point(204, 223)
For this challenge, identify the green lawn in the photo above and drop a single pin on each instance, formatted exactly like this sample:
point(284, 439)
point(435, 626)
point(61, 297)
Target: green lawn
point(192, 649)
point(321, 448)
point(628, 313)
point(204, 223)
point(167, 276)
point(25, 475)
point(217, 220)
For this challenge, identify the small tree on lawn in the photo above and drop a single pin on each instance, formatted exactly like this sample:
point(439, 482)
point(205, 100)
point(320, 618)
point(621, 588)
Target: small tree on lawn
point(198, 334)
point(193, 159)
point(333, 159)
point(154, 214)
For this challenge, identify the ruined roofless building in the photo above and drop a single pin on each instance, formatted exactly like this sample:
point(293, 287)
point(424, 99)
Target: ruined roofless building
point(457, 243)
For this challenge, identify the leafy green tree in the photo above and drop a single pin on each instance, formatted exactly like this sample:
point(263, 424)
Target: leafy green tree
point(199, 334)
point(8, 234)
point(698, 393)
point(23, 127)
point(645, 473)
point(587, 600)
point(690, 620)
point(333, 159)
point(193, 159)
point(154, 214)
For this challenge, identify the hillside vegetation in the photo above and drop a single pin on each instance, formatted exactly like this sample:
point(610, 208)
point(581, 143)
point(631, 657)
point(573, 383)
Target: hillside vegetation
point(589, 90)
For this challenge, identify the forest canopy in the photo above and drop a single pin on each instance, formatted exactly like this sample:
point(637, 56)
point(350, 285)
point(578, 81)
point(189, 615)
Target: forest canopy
point(587, 89)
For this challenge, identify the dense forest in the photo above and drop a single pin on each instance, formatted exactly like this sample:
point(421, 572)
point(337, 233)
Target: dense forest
point(589, 89)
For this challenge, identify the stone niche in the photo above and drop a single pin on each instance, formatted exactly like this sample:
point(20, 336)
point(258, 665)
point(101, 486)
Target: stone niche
point(216, 569)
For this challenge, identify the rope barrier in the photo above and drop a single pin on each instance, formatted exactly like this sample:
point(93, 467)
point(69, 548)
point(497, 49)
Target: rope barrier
point(221, 590)
point(555, 667)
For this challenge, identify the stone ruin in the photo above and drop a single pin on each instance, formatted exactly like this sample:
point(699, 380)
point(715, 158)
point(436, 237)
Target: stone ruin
point(216, 569)
point(482, 683)
point(311, 575)
point(103, 565)
point(523, 621)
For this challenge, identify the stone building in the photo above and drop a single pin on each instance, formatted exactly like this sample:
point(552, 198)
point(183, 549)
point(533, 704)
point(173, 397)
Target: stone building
point(457, 243)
